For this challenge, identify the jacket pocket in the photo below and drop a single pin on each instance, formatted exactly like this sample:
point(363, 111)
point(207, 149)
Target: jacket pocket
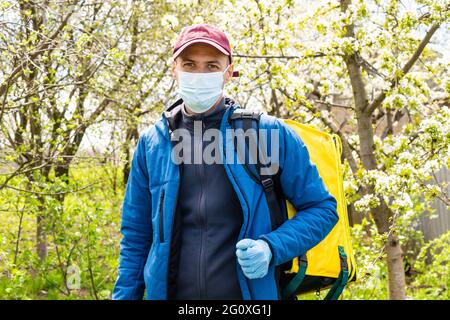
point(161, 216)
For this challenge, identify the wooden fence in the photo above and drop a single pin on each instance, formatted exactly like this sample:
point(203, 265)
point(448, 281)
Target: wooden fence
point(433, 227)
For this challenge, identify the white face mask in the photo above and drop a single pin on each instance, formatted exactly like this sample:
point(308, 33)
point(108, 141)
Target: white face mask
point(199, 91)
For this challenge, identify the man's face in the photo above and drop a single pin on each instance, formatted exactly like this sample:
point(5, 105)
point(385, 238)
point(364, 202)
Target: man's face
point(200, 57)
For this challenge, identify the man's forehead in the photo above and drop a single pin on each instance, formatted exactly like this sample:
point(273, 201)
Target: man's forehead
point(200, 52)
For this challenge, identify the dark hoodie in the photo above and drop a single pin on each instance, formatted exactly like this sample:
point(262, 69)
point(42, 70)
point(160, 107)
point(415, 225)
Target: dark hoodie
point(206, 227)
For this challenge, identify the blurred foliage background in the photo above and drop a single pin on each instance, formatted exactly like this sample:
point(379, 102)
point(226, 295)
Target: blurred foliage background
point(79, 79)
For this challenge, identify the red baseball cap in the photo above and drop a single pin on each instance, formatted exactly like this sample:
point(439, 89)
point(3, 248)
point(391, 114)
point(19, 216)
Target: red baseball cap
point(202, 33)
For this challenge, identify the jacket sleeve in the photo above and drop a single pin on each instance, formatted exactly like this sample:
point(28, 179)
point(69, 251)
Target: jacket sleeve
point(136, 229)
point(304, 188)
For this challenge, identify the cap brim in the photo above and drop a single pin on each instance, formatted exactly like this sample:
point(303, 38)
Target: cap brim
point(187, 44)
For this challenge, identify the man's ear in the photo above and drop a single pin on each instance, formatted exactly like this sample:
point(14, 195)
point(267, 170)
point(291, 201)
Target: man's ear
point(229, 73)
point(174, 68)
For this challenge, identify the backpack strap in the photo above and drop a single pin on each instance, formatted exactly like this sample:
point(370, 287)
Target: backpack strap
point(291, 288)
point(266, 181)
point(342, 280)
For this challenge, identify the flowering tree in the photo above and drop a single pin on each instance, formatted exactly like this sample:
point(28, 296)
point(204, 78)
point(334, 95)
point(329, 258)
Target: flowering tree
point(67, 68)
point(375, 72)
point(363, 70)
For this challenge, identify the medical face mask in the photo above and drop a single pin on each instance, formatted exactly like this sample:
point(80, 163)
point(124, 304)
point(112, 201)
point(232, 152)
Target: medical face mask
point(199, 91)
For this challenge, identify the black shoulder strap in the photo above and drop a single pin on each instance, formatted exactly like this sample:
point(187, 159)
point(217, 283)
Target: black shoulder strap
point(267, 181)
point(245, 114)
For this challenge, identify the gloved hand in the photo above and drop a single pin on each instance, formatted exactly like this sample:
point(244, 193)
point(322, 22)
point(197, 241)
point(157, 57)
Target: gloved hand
point(254, 257)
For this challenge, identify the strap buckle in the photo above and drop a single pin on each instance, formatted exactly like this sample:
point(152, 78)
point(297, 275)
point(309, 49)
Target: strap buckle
point(343, 258)
point(247, 115)
point(344, 264)
point(267, 184)
point(303, 259)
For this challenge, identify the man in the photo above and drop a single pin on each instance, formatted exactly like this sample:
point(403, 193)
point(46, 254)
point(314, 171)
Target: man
point(202, 230)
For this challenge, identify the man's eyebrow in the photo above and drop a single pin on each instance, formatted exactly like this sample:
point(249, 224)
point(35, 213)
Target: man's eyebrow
point(190, 60)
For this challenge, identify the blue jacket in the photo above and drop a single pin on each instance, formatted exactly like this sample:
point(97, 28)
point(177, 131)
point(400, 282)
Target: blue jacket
point(144, 251)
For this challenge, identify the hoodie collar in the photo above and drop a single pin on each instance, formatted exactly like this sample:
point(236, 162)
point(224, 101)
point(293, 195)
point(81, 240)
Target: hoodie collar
point(174, 114)
point(205, 115)
point(209, 118)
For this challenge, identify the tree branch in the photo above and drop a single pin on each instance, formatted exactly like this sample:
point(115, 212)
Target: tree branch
point(406, 68)
point(314, 55)
point(19, 70)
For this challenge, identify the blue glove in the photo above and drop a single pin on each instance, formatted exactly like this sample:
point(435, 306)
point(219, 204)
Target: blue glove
point(254, 257)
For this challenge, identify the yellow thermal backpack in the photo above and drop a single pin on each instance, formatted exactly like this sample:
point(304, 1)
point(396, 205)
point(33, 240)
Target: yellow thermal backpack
point(331, 263)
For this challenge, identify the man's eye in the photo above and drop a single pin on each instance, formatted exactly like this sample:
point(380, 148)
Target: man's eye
point(188, 64)
point(213, 66)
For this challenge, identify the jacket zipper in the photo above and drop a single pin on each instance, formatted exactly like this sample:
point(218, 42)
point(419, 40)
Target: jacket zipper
point(171, 226)
point(247, 169)
point(246, 203)
point(246, 224)
point(161, 216)
point(173, 214)
point(202, 217)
